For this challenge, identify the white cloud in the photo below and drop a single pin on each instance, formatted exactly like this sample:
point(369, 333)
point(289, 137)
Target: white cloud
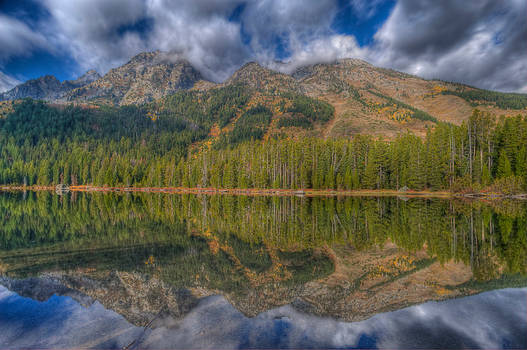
point(89, 30)
point(487, 320)
point(200, 32)
point(302, 20)
point(300, 29)
point(323, 50)
point(481, 43)
point(17, 39)
point(7, 82)
point(101, 34)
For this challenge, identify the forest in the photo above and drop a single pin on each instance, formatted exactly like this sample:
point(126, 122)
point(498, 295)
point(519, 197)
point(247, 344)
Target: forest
point(155, 146)
point(488, 237)
point(500, 99)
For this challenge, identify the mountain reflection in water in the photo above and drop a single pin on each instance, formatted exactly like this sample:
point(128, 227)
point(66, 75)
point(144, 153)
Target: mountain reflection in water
point(275, 271)
point(491, 320)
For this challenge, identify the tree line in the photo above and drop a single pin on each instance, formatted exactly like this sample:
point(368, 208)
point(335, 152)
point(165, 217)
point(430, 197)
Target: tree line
point(488, 237)
point(141, 146)
point(502, 100)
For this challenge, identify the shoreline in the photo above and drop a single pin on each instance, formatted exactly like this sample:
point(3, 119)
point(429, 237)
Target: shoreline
point(267, 192)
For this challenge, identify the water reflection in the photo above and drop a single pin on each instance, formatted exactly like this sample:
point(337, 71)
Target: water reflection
point(144, 256)
point(489, 320)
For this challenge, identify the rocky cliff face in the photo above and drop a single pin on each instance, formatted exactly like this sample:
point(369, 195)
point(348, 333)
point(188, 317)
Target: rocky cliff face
point(145, 77)
point(87, 78)
point(48, 87)
point(44, 87)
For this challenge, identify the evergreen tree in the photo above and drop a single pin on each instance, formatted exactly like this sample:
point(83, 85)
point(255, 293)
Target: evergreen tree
point(504, 165)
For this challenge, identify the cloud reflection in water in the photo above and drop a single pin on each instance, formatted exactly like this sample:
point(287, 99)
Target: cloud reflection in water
point(496, 319)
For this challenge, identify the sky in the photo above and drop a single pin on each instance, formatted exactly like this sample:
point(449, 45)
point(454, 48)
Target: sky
point(478, 42)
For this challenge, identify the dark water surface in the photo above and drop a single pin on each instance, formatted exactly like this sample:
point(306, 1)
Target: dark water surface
point(185, 271)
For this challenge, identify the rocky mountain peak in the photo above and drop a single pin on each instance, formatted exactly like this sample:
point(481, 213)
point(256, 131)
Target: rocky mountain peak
point(48, 79)
point(85, 79)
point(367, 99)
point(88, 77)
point(157, 58)
point(352, 62)
point(146, 77)
point(144, 57)
point(256, 76)
point(48, 87)
point(40, 88)
point(253, 65)
point(252, 68)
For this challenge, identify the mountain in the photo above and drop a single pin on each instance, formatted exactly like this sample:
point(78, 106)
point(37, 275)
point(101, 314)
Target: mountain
point(379, 101)
point(257, 77)
point(366, 99)
point(147, 76)
point(48, 87)
point(85, 79)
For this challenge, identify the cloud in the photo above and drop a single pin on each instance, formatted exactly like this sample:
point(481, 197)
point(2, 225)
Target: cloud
point(103, 34)
point(296, 33)
point(477, 42)
point(481, 43)
point(271, 23)
point(200, 32)
point(95, 32)
point(324, 50)
point(17, 39)
point(366, 9)
point(487, 320)
point(7, 82)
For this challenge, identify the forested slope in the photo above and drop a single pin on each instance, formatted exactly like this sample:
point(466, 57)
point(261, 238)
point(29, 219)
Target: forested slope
point(233, 137)
point(366, 99)
point(153, 122)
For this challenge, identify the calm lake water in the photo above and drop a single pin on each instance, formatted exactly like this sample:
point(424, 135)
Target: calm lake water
point(184, 271)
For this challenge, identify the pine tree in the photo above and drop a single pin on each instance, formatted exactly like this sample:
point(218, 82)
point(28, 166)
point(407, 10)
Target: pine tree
point(504, 165)
point(370, 179)
point(43, 173)
point(521, 163)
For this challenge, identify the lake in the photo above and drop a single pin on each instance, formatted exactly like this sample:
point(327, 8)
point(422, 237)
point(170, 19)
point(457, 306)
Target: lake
point(134, 271)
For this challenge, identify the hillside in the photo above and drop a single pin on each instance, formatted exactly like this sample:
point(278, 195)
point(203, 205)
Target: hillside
point(366, 99)
point(233, 137)
point(155, 122)
point(372, 100)
point(378, 101)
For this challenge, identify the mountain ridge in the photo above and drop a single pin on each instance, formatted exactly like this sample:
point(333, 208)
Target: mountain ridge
point(366, 98)
point(145, 77)
point(48, 87)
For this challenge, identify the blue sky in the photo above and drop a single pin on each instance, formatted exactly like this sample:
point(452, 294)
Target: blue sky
point(479, 42)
